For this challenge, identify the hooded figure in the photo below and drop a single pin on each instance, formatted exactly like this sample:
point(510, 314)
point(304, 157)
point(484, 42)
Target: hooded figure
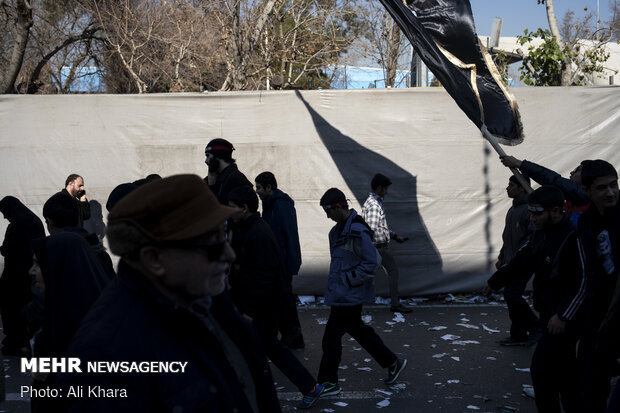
point(24, 226)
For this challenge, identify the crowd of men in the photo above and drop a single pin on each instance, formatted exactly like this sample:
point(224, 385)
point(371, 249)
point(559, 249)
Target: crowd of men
point(204, 278)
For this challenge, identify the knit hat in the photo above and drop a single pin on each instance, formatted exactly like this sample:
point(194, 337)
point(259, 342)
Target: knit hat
point(220, 148)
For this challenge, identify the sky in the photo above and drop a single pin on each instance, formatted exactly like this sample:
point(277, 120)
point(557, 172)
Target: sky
point(518, 15)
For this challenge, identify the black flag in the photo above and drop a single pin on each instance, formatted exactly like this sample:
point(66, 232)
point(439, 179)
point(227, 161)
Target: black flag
point(443, 34)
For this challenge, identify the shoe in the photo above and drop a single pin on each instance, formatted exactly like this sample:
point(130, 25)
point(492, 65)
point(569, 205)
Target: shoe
point(330, 389)
point(394, 370)
point(400, 309)
point(308, 400)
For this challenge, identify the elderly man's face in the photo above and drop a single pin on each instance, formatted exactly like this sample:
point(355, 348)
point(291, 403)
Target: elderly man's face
point(198, 268)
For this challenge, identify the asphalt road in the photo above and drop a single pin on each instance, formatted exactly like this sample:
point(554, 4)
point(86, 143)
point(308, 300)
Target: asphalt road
point(454, 364)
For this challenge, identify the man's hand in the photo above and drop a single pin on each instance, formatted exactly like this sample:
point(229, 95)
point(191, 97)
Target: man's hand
point(487, 290)
point(82, 196)
point(510, 161)
point(400, 239)
point(555, 325)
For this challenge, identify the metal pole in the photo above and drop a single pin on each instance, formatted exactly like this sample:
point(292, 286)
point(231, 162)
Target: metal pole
point(489, 137)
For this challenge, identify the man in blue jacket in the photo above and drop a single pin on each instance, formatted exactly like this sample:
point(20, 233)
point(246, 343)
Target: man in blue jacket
point(354, 260)
point(279, 213)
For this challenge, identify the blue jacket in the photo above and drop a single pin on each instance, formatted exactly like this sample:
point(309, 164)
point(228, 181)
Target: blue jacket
point(279, 212)
point(353, 256)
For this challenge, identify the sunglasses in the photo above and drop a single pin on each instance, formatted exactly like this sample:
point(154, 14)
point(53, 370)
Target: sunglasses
point(334, 205)
point(538, 210)
point(213, 251)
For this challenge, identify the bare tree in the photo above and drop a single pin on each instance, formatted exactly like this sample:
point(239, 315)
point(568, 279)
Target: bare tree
point(384, 44)
point(20, 12)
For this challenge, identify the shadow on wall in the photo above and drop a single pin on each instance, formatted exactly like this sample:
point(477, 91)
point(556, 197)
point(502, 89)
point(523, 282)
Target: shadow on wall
point(95, 224)
point(419, 256)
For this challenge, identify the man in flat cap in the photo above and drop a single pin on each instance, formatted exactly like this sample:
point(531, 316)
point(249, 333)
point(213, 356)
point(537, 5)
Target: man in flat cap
point(168, 307)
point(224, 176)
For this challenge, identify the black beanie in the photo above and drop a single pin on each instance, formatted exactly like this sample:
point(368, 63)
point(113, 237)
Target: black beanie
point(220, 148)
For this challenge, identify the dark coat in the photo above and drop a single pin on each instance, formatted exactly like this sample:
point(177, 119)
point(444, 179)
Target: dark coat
point(73, 279)
point(98, 249)
point(600, 284)
point(279, 213)
point(15, 293)
point(257, 276)
point(82, 207)
point(132, 321)
point(227, 180)
point(554, 258)
point(516, 231)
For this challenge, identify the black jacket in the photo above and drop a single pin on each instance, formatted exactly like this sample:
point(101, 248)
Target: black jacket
point(227, 180)
point(257, 276)
point(132, 321)
point(600, 284)
point(559, 284)
point(82, 207)
point(279, 213)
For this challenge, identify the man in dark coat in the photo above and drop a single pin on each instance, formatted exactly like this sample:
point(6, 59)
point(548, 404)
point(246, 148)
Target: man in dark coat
point(524, 327)
point(279, 213)
point(24, 226)
point(599, 232)
point(168, 304)
point(258, 292)
point(74, 188)
point(552, 255)
point(60, 215)
point(224, 175)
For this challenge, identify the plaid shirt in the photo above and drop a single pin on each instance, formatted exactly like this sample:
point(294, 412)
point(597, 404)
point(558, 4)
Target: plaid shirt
point(374, 215)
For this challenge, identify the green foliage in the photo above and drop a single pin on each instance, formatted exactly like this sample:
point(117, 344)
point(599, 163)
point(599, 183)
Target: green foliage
point(547, 59)
point(581, 58)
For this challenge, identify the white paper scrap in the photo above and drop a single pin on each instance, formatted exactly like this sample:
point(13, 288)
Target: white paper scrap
point(464, 342)
point(341, 404)
point(364, 368)
point(398, 317)
point(472, 407)
point(450, 337)
point(468, 326)
point(383, 403)
point(440, 355)
point(437, 328)
point(453, 381)
point(321, 321)
point(455, 358)
point(490, 330)
point(527, 370)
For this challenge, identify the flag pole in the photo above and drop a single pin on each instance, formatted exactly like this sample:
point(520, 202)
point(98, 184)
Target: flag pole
point(489, 137)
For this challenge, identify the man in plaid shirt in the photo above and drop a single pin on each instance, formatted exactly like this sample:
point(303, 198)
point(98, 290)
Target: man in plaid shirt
point(374, 215)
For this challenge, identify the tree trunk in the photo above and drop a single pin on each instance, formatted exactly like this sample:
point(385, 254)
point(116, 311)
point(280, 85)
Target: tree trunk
point(391, 56)
point(555, 31)
point(24, 23)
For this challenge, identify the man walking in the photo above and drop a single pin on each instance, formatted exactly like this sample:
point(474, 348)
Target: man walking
point(279, 213)
point(524, 323)
point(168, 305)
point(599, 229)
point(350, 284)
point(374, 215)
point(553, 255)
point(257, 289)
point(224, 175)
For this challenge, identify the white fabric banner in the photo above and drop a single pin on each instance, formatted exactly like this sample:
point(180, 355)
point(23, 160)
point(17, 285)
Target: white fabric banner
point(448, 194)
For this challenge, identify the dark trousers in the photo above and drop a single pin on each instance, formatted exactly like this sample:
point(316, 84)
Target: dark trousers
point(289, 324)
point(555, 373)
point(522, 317)
point(281, 356)
point(348, 319)
point(598, 369)
point(389, 263)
